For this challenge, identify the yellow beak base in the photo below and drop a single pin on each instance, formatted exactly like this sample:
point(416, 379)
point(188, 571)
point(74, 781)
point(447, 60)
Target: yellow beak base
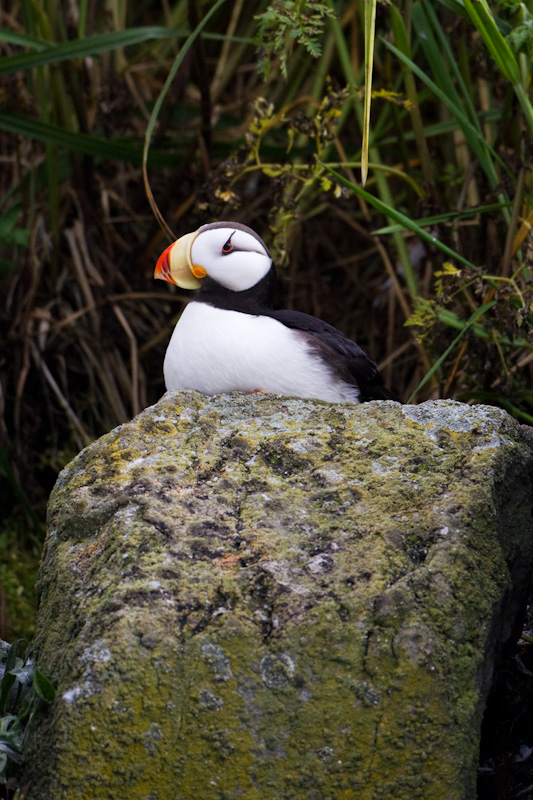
point(175, 265)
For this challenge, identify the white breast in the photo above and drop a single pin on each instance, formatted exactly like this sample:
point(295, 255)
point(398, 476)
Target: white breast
point(217, 351)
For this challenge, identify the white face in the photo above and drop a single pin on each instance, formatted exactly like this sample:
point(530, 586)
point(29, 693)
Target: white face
point(232, 257)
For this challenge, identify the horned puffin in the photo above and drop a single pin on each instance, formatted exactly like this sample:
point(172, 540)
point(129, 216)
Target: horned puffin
point(230, 338)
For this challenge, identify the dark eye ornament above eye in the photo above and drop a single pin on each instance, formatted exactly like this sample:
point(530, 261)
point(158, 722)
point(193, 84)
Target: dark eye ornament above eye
point(227, 247)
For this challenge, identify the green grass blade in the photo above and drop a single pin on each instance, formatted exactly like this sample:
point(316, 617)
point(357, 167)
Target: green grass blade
point(481, 16)
point(442, 128)
point(80, 48)
point(455, 6)
point(80, 142)
point(401, 40)
point(433, 52)
point(370, 33)
point(453, 321)
point(483, 19)
point(11, 37)
point(475, 137)
point(449, 216)
point(429, 30)
point(397, 216)
point(381, 181)
point(474, 317)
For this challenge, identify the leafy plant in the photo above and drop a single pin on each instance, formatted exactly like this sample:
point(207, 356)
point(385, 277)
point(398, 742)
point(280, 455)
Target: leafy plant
point(25, 692)
point(285, 22)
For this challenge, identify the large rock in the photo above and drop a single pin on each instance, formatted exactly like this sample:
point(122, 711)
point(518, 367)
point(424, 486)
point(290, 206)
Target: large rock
point(253, 598)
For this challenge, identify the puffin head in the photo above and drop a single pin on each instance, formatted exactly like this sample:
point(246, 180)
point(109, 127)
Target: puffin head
point(229, 253)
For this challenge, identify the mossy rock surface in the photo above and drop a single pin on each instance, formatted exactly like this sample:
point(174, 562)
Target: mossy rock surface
point(257, 598)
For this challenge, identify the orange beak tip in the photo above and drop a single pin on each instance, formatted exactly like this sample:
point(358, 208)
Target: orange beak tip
point(162, 268)
point(175, 265)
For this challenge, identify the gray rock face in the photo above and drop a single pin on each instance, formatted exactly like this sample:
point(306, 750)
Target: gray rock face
point(270, 599)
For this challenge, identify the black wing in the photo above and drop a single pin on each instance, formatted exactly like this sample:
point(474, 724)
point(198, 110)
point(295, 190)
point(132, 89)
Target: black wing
point(344, 356)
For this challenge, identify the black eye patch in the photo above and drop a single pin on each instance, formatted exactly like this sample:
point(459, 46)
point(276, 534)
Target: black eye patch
point(227, 247)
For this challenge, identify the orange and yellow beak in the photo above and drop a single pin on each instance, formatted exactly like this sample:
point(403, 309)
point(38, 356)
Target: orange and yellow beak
point(175, 264)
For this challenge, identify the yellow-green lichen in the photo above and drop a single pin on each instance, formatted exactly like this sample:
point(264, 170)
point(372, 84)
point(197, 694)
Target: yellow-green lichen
point(269, 599)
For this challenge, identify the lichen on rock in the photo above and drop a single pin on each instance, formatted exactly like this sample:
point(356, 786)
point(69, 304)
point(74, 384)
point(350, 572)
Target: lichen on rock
point(264, 598)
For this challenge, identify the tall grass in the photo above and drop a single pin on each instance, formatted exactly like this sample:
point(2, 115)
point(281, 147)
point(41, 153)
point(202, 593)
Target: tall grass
point(257, 112)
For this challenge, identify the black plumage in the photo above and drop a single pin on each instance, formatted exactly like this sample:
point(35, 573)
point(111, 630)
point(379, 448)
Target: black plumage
point(343, 356)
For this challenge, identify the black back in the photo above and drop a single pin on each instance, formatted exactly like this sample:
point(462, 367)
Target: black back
point(344, 357)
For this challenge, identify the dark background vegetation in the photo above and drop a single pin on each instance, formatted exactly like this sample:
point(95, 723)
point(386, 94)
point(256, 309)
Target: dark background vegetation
point(265, 96)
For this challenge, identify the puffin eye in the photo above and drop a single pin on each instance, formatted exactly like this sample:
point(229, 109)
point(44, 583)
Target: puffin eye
point(227, 247)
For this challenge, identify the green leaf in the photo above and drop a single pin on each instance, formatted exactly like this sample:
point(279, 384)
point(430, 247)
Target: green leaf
point(12, 661)
point(522, 35)
point(11, 233)
point(11, 745)
point(42, 686)
point(5, 687)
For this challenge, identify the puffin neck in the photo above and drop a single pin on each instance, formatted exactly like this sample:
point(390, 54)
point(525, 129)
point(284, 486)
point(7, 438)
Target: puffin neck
point(256, 300)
